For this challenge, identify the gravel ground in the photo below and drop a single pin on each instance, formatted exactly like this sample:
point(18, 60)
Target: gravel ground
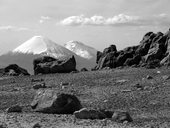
point(108, 89)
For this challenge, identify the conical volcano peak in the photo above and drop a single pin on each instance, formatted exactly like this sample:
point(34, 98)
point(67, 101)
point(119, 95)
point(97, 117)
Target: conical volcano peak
point(35, 45)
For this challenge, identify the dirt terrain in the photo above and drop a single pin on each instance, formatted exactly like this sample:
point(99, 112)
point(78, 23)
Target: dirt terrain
point(148, 104)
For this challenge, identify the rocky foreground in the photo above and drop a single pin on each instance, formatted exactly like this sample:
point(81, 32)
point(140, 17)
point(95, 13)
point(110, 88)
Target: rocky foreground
point(143, 93)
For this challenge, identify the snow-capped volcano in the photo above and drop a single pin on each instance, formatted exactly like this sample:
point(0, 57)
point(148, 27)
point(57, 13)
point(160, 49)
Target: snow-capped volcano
point(35, 45)
point(81, 49)
point(42, 45)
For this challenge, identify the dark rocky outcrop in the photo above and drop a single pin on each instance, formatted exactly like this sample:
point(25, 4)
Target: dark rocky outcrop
point(157, 48)
point(153, 51)
point(107, 58)
point(46, 65)
point(145, 44)
point(14, 70)
point(50, 101)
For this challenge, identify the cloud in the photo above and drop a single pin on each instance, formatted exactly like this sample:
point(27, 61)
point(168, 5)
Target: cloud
point(44, 18)
point(14, 28)
point(118, 20)
point(99, 20)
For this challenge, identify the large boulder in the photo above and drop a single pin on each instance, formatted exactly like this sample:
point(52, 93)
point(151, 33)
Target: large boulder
point(158, 53)
point(107, 58)
point(15, 70)
point(52, 102)
point(54, 66)
point(108, 61)
point(112, 58)
point(145, 44)
point(157, 48)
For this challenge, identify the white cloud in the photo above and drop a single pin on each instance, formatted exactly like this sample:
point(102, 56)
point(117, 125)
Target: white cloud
point(44, 18)
point(14, 28)
point(118, 20)
point(99, 20)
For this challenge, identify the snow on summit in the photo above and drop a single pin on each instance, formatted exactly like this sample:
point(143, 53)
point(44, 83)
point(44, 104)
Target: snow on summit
point(81, 49)
point(35, 45)
point(42, 45)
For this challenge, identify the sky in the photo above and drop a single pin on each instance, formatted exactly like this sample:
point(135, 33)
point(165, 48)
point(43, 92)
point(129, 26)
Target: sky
point(97, 23)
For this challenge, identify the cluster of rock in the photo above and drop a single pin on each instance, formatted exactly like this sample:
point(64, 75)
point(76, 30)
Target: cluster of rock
point(47, 65)
point(153, 51)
